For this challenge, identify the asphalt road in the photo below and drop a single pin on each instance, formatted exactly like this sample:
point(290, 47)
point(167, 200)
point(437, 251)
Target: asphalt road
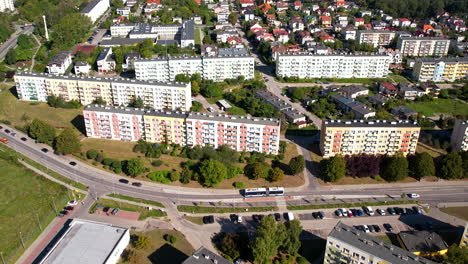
point(11, 42)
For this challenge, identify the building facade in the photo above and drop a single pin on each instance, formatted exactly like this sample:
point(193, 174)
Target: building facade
point(96, 9)
point(346, 244)
point(59, 63)
point(350, 137)
point(156, 95)
point(440, 69)
point(459, 139)
point(423, 46)
point(7, 5)
point(241, 133)
point(375, 37)
point(217, 68)
point(332, 65)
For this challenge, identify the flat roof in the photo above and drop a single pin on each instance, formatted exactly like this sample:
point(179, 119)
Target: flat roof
point(369, 123)
point(446, 60)
point(422, 241)
point(423, 38)
point(85, 242)
point(375, 246)
point(59, 58)
point(134, 111)
point(91, 6)
point(235, 119)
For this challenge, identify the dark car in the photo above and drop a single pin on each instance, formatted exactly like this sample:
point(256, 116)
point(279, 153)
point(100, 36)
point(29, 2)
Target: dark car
point(315, 215)
point(124, 181)
point(24, 139)
point(233, 218)
point(371, 228)
point(388, 227)
point(359, 212)
point(60, 214)
point(69, 208)
point(209, 219)
point(7, 131)
point(377, 228)
point(1, 127)
point(321, 214)
point(391, 211)
point(105, 209)
point(399, 211)
point(64, 212)
point(417, 210)
point(44, 150)
point(256, 218)
point(72, 163)
point(137, 184)
point(409, 211)
point(277, 216)
point(115, 211)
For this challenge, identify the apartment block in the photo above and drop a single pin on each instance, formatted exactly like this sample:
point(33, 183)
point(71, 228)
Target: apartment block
point(7, 5)
point(307, 65)
point(184, 128)
point(96, 9)
point(459, 139)
point(350, 137)
point(423, 46)
point(375, 37)
point(346, 244)
point(115, 91)
point(440, 69)
point(217, 68)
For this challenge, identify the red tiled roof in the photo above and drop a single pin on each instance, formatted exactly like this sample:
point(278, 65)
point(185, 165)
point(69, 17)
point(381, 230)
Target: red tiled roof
point(388, 86)
point(246, 1)
point(325, 18)
point(359, 19)
point(297, 3)
point(155, 2)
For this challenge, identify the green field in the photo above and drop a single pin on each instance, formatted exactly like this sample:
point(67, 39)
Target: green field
point(197, 36)
point(222, 210)
point(446, 106)
point(27, 204)
point(460, 212)
point(137, 200)
point(144, 212)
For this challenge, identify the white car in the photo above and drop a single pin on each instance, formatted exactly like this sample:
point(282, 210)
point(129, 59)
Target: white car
point(369, 210)
point(366, 228)
point(239, 219)
point(72, 203)
point(381, 211)
point(344, 212)
point(413, 195)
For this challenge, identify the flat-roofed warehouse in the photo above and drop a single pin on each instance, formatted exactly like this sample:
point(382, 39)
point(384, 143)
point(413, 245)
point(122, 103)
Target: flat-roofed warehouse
point(87, 242)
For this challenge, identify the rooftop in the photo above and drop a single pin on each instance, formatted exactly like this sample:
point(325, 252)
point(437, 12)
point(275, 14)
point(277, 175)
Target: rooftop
point(445, 60)
point(233, 51)
point(60, 57)
point(424, 38)
point(204, 256)
point(422, 241)
point(369, 123)
point(91, 6)
point(85, 242)
point(375, 246)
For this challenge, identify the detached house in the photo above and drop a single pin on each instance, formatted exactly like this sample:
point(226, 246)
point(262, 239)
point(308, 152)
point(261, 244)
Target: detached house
point(105, 61)
point(388, 89)
point(304, 36)
point(296, 24)
point(60, 63)
point(297, 5)
point(325, 21)
point(358, 22)
point(281, 35)
point(282, 6)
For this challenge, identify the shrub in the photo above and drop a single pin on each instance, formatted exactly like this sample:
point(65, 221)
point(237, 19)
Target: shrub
point(377, 177)
point(174, 176)
point(91, 154)
point(301, 260)
point(95, 163)
point(142, 242)
point(170, 238)
point(238, 185)
point(107, 161)
point(99, 157)
point(6, 122)
point(162, 176)
point(156, 163)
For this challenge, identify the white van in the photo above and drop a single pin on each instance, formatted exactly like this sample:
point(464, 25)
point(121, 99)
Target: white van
point(290, 216)
point(369, 210)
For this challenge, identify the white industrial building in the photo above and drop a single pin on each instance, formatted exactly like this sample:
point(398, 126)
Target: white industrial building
point(87, 242)
point(307, 65)
point(7, 5)
point(95, 9)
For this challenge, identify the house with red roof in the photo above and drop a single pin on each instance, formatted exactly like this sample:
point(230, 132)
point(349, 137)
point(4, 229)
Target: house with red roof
point(264, 36)
point(297, 5)
point(256, 27)
point(270, 18)
point(323, 12)
point(234, 40)
point(246, 3)
point(304, 36)
point(282, 6)
point(358, 22)
point(404, 22)
point(388, 89)
point(325, 20)
point(325, 37)
point(278, 49)
point(281, 34)
point(118, 20)
point(265, 7)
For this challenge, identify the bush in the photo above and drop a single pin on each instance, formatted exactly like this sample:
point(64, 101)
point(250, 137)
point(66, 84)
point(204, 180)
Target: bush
point(142, 242)
point(238, 185)
point(91, 154)
point(162, 176)
point(170, 238)
point(107, 161)
point(6, 122)
point(99, 157)
point(156, 163)
point(377, 177)
point(174, 176)
point(301, 260)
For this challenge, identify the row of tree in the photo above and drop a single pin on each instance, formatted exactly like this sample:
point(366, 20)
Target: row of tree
point(394, 168)
point(66, 142)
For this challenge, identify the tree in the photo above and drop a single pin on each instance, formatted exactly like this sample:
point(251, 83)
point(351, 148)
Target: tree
point(268, 238)
point(212, 172)
point(195, 88)
point(143, 242)
point(41, 131)
point(230, 244)
point(170, 238)
point(207, 39)
point(395, 168)
point(99, 101)
point(276, 174)
point(181, 77)
point(451, 166)
point(333, 169)
point(146, 48)
point(297, 165)
point(233, 17)
point(71, 29)
point(91, 154)
point(137, 102)
point(67, 142)
point(10, 57)
point(291, 243)
point(134, 167)
point(422, 165)
point(257, 170)
point(456, 255)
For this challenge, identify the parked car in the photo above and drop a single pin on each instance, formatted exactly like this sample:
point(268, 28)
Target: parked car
point(417, 210)
point(368, 210)
point(72, 203)
point(344, 212)
point(350, 213)
point(72, 163)
point(359, 212)
point(7, 131)
point(399, 211)
point(69, 208)
point(381, 211)
point(105, 209)
point(209, 219)
point(137, 184)
point(289, 216)
point(24, 139)
point(388, 227)
point(44, 150)
point(115, 211)
point(366, 228)
point(338, 213)
point(277, 216)
point(233, 218)
point(321, 214)
point(13, 134)
point(413, 195)
point(60, 214)
point(408, 211)
point(391, 211)
point(371, 228)
point(377, 228)
point(124, 181)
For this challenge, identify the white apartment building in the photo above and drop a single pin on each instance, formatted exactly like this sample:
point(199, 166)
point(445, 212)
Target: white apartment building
point(346, 244)
point(440, 69)
point(82, 68)
point(459, 139)
point(156, 95)
point(95, 9)
point(375, 37)
point(217, 68)
point(60, 63)
point(7, 5)
point(307, 65)
point(350, 137)
point(423, 46)
point(241, 133)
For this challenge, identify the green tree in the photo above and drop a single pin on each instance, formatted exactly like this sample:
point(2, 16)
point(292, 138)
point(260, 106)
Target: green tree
point(297, 165)
point(117, 3)
point(137, 102)
point(146, 48)
point(291, 243)
point(11, 57)
point(142, 242)
point(333, 169)
point(422, 165)
point(395, 168)
point(456, 255)
point(230, 244)
point(276, 174)
point(207, 40)
point(91, 154)
point(41, 131)
point(67, 142)
point(182, 78)
point(212, 172)
point(99, 101)
point(268, 238)
point(71, 29)
point(233, 17)
point(134, 167)
point(195, 88)
point(451, 166)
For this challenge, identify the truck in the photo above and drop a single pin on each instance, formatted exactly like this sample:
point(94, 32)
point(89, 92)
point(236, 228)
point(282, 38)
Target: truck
point(4, 140)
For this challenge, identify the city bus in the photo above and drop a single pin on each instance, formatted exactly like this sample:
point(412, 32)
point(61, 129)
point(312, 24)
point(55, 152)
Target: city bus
point(264, 192)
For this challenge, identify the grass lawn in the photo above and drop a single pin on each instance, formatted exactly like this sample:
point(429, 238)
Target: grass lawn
point(398, 78)
point(367, 180)
point(144, 213)
point(460, 212)
point(20, 113)
point(347, 205)
point(137, 200)
point(160, 251)
point(445, 106)
point(194, 219)
point(27, 199)
point(421, 148)
point(197, 36)
point(222, 210)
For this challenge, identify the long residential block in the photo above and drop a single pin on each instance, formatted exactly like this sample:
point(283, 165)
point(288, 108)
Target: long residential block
point(459, 138)
point(440, 69)
point(217, 68)
point(332, 65)
point(346, 244)
point(241, 133)
point(96, 9)
point(115, 91)
point(423, 46)
point(350, 137)
point(375, 37)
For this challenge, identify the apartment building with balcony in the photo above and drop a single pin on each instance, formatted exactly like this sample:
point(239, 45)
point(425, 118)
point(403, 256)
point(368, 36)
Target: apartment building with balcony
point(423, 46)
point(307, 65)
point(346, 244)
point(459, 139)
point(440, 69)
point(373, 137)
point(217, 68)
point(184, 128)
point(375, 37)
point(115, 91)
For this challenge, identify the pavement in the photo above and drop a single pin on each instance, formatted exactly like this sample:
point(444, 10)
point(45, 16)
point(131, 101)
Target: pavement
point(11, 42)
